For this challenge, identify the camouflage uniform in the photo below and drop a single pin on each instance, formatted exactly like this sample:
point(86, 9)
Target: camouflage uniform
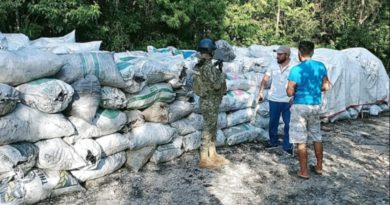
point(210, 85)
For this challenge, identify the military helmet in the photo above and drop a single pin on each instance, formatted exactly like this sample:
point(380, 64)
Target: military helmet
point(206, 45)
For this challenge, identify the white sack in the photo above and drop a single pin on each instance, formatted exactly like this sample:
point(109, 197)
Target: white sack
point(46, 95)
point(112, 98)
point(134, 119)
point(55, 154)
point(105, 122)
point(161, 92)
point(38, 185)
point(239, 116)
point(43, 41)
point(168, 152)
point(17, 157)
point(150, 134)
point(242, 133)
point(86, 98)
point(16, 41)
point(24, 65)
point(100, 64)
point(158, 112)
point(106, 166)
point(67, 48)
point(179, 109)
point(9, 98)
point(90, 151)
point(28, 124)
point(192, 141)
point(114, 143)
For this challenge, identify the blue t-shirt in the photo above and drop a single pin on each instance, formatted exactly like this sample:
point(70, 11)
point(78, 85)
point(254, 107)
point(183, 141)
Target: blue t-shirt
point(308, 77)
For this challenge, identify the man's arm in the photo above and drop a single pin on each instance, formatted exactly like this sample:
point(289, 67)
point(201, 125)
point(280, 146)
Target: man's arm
point(290, 88)
point(262, 85)
point(325, 84)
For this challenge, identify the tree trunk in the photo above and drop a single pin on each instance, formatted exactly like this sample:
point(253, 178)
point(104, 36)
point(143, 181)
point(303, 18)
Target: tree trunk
point(277, 19)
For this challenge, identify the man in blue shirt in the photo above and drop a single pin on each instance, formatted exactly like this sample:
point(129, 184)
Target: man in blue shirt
point(306, 81)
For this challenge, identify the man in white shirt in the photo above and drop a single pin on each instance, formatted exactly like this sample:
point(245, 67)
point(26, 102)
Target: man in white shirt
point(278, 99)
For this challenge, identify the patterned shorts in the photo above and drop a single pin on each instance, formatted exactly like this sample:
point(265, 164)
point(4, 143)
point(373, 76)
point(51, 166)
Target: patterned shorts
point(305, 122)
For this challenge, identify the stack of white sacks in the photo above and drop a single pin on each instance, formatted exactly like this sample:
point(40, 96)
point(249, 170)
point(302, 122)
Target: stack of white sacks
point(71, 113)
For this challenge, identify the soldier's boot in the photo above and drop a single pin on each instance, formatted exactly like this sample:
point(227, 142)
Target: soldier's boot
point(217, 159)
point(205, 161)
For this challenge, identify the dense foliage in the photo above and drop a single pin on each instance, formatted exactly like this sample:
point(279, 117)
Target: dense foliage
point(132, 24)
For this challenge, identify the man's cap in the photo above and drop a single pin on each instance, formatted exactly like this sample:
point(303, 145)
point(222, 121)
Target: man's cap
point(283, 49)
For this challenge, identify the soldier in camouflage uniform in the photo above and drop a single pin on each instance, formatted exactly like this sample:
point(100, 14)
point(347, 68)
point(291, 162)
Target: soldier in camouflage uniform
point(210, 85)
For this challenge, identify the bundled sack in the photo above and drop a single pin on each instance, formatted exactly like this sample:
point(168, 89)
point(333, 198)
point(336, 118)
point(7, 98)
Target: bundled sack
point(353, 112)
point(259, 51)
point(134, 119)
point(163, 52)
point(106, 122)
point(261, 122)
point(262, 109)
point(127, 63)
point(192, 141)
point(234, 67)
point(26, 64)
point(224, 51)
point(28, 124)
point(16, 41)
point(100, 64)
point(160, 70)
point(179, 109)
point(136, 159)
point(164, 113)
point(89, 150)
point(112, 98)
point(221, 139)
point(46, 95)
point(168, 152)
point(239, 117)
point(112, 144)
point(129, 55)
point(195, 122)
point(161, 92)
point(38, 185)
point(43, 41)
point(243, 133)
point(86, 98)
point(236, 100)
point(9, 98)
point(233, 100)
point(17, 157)
point(67, 48)
point(106, 166)
point(158, 112)
point(55, 154)
point(189, 124)
point(375, 110)
point(150, 134)
point(235, 81)
point(240, 84)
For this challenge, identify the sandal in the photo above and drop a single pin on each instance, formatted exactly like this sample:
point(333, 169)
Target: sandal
point(313, 169)
point(302, 177)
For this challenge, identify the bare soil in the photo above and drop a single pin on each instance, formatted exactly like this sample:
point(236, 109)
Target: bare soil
point(356, 171)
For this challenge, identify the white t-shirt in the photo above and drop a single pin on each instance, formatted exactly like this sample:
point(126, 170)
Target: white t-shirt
point(279, 76)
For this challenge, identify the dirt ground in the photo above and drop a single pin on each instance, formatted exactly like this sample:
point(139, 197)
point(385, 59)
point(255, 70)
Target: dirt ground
point(356, 171)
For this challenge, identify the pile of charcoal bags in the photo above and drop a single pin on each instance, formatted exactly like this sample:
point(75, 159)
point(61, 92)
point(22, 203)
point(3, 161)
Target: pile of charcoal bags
point(71, 113)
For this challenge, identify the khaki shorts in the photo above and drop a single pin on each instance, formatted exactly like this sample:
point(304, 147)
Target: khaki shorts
point(305, 123)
